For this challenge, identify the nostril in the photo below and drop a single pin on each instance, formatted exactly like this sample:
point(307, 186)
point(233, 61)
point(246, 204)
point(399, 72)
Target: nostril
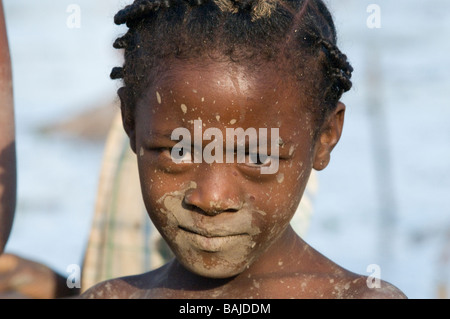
point(210, 202)
point(231, 210)
point(194, 208)
point(188, 206)
point(209, 210)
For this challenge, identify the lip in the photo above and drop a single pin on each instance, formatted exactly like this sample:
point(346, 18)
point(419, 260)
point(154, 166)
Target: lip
point(210, 233)
point(212, 241)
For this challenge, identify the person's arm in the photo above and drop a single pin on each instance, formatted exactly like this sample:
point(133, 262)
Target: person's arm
point(7, 138)
point(25, 278)
point(19, 277)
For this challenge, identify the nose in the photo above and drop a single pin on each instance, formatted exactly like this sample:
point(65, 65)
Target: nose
point(216, 192)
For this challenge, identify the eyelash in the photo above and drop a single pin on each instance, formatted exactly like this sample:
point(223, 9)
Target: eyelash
point(258, 163)
point(248, 156)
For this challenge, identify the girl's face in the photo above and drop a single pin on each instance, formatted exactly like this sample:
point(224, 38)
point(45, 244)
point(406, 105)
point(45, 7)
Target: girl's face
point(219, 217)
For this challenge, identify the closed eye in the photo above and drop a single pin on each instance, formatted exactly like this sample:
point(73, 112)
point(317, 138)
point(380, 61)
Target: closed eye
point(179, 155)
point(257, 160)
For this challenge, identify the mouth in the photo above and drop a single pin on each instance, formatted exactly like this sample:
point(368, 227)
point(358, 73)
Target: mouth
point(209, 234)
point(216, 241)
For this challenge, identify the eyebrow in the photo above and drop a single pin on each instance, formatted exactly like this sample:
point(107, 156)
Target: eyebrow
point(152, 136)
point(165, 134)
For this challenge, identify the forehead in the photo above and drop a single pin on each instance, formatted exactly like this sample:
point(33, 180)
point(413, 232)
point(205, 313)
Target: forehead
point(223, 94)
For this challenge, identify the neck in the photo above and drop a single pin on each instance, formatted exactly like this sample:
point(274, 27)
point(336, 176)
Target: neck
point(280, 258)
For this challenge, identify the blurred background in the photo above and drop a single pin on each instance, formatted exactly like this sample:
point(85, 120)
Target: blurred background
point(384, 200)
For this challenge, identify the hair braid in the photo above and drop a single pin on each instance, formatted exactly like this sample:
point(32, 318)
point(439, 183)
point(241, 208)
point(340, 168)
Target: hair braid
point(123, 42)
point(138, 10)
point(337, 69)
point(341, 70)
point(117, 73)
point(258, 9)
point(194, 3)
point(242, 31)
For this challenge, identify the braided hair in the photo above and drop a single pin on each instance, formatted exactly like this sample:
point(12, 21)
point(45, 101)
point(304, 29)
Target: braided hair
point(242, 31)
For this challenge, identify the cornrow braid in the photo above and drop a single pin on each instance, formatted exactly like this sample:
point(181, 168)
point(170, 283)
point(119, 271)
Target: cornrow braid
point(117, 73)
point(123, 42)
point(258, 9)
point(138, 10)
point(340, 68)
point(337, 69)
point(251, 32)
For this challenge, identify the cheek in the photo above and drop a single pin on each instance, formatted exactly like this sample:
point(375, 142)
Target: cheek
point(283, 193)
point(155, 184)
point(277, 206)
point(280, 199)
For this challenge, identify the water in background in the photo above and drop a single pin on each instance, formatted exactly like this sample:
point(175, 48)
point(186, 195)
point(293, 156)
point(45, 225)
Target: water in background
point(383, 200)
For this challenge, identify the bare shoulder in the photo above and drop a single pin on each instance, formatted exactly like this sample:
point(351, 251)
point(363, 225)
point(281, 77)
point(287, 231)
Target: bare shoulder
point(331, 280)
point(362, 287)
point(382, 290)
point(119, 288)
point(129, 287)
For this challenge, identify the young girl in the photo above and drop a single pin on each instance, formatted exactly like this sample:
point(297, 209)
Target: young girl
point(221, 66)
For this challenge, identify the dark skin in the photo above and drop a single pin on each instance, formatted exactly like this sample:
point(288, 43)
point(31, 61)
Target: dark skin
point(193, 205)
point(19, 277)
point(7, 139)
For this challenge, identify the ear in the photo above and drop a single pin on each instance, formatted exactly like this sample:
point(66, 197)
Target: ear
point(329, 136)
point(127, 117)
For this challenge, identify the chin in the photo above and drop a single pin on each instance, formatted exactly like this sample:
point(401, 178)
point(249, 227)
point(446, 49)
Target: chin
point(215, 272)
point(210, 265)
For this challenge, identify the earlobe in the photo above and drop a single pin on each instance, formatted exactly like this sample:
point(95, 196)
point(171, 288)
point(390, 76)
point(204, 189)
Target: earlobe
point(127, 118)
point(132, 137)
point(129, 127)
point(329, 137)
